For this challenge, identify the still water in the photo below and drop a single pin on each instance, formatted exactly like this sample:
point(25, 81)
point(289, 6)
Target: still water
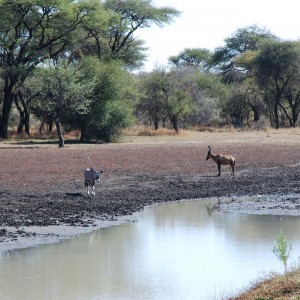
point(174, 251)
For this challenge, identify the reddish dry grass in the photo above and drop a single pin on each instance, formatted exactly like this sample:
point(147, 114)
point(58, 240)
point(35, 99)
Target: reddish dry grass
point(43, 166)
point(275, 288)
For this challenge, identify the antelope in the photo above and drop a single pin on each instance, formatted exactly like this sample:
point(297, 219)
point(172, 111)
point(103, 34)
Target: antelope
point(221, 159)
point(90, 176)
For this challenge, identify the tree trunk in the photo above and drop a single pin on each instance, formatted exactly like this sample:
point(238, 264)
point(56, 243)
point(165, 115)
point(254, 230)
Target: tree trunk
point(50, 124)
point(295, 117)
point(156, 123)
point(23, 113)
point(42, 126)
point(6, 107)
point(174, 121)
point(276, 114)
point(287, 115)
point(81, 135)
point(61, 142)
point(21, 122)
point(256, 115)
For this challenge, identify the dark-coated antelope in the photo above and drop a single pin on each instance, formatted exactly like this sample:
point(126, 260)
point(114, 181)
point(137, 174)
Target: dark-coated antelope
point(90, 176)
point(221, 159)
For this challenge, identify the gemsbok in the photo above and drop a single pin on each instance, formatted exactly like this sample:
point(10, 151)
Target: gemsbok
point(90, 177)
point(221, 159)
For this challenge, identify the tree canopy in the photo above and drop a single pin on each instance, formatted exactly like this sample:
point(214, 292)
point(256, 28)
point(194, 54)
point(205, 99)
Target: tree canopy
point(72, 60)
point(36, 32)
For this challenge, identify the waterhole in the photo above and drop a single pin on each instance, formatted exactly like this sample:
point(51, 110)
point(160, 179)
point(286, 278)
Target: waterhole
point(181, 250)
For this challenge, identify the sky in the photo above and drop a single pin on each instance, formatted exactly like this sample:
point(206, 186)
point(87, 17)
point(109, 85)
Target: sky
point(206, 23)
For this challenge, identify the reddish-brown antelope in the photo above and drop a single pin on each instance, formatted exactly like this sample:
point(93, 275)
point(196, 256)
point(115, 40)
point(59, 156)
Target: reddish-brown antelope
point(221, 159)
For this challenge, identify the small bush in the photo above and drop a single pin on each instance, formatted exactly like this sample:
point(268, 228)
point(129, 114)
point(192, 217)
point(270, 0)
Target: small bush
point(282, 250)
point(261, 124)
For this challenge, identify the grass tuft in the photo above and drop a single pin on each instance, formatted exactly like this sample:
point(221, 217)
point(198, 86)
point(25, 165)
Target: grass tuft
point(274, 288)
point(145, 131)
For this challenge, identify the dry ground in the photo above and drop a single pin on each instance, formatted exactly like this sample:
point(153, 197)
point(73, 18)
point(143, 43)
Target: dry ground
point(41, 184)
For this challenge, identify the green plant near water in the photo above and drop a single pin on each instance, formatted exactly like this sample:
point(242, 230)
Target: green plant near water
point(282, 250)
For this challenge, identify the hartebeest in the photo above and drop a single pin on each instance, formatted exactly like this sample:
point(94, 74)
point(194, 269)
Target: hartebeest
point(221, 159)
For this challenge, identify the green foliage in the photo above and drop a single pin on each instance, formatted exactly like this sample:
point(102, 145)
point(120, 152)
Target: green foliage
point(35, 31)
point(254, 75)
point(166, 94)
point(277, 68)
point(196, 57)
point(211, 86)
point(277, 62)
point(111, 108)
point(31, 32)
point(242, 40)
point(282, 250)
point(140, 13)
point(61, 90)
point(210, 95)
point(129, 16)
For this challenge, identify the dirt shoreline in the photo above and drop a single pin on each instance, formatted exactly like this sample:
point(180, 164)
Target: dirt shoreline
point(42, 196)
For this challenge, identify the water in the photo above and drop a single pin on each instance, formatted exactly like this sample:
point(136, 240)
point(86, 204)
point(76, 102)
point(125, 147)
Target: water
point(174, 251)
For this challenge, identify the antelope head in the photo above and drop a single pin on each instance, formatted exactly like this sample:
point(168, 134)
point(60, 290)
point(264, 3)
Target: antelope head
point(208, 154)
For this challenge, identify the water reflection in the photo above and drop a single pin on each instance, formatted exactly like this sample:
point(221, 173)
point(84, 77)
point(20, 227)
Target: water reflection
point(175, 251)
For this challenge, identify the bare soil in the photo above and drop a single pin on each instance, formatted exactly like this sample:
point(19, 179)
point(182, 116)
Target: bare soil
point(42, 185)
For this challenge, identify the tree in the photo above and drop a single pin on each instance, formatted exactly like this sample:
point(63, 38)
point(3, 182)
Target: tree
point(243, 40)
point(62, 93)
point(277, 67)
point(22, 100)
point(129, 16)
point(166, 95)
point(292, 98)
point(235, 107)
point(30, 33)
point(282, 251)
point(111, 107)
point(34, 31)
point(234, 62)
point(209, 97)
point(152, 101)
point(198, 58)
point(178, 101)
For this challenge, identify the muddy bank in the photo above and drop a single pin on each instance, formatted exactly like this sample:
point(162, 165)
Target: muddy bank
point(42, 189)
point(12, 238)
point(280, 205)
point(31, 217)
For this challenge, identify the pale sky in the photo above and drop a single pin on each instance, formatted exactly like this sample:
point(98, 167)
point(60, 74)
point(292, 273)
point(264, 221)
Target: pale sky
point(205, 24)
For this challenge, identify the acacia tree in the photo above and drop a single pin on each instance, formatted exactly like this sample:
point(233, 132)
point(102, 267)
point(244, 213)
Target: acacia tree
point(62, 93)
point(213, 97)
point(111, 107)
point(224, 58)
point(166, 95)
point(131, 15)
point(292, 98)
point(277, 68)
point(151, 100)
point(235, 62)
point(199, 58)
point(30, 33)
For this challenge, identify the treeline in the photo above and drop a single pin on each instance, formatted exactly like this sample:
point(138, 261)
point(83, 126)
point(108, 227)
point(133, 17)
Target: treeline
point(70, 63)
point(253, 80)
